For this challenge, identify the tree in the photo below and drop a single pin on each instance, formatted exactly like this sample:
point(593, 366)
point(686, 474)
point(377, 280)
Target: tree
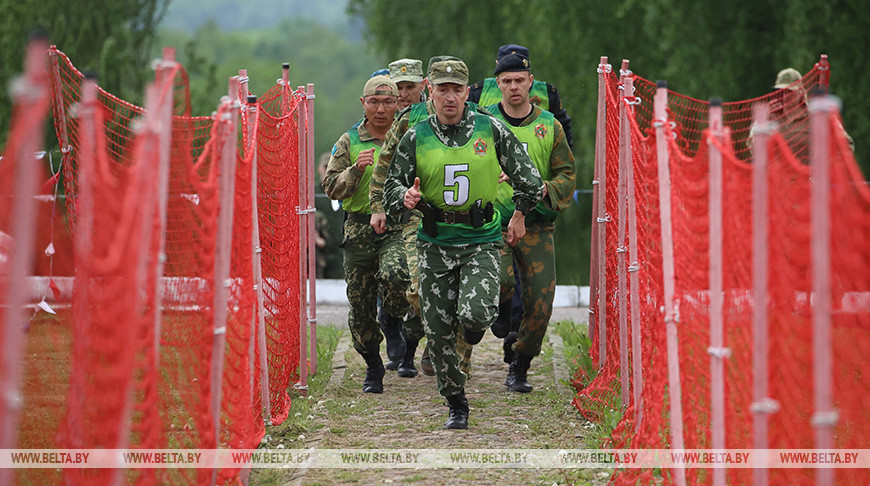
point(726, 48)
point(109, 37)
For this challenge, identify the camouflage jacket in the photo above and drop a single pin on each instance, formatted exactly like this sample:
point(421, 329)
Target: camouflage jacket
point(528, 187)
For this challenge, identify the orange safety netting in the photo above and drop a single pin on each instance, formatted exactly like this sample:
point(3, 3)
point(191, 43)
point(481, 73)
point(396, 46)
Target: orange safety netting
point(21, 170)
point(100, 375)
point(790, 346)
point(278, 193)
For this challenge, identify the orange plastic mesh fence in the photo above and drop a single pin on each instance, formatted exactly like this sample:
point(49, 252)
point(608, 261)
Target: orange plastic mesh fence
point(108, 310)
point(21, 172)
point(850, 296)
point(790, 347)
point(124, 386)
point(598, 393)
point(277, 205)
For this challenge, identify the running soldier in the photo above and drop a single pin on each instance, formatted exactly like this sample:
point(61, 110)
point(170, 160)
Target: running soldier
point(448, 167)
point(374, 264)
point(541, 93)
point(545, 141)
point(408, 76)
point(412, 327)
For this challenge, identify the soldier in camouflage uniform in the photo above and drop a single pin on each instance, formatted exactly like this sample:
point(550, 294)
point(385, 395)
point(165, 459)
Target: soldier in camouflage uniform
point(788, 110)
point(408, 76)
point(448, 166)
point(545, 141)
point(408, 117)
point(543, 94)
point(374, 264)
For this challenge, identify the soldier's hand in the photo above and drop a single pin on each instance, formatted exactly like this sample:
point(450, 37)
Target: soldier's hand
point(516, 228)
point(379, 222)
point(502, 177)
point(412, 195)
point(365, 159)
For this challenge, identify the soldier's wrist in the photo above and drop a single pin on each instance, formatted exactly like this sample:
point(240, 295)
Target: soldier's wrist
point(522, 207)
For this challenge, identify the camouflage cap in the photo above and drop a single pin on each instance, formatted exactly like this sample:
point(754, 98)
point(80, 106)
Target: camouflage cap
point(375, 82)
point(786, 77)
point(449, 72)
point(434, 59)
point(410, 70)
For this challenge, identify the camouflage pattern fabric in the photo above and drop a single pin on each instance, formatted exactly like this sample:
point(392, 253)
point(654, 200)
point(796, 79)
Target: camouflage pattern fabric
point(458, 289)
point(374, 265)
point(458, 283)
point(536, 260)
point(413, 325)
point(464, 351)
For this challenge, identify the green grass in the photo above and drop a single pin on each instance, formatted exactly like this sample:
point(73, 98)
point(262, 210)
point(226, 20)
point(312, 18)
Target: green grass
point(300, 423)
point(577, 345)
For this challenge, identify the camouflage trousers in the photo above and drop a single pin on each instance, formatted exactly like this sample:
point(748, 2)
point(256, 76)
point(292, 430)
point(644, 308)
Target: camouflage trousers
point(374, 266)
point(458, 289)
point(536, 261)
point(413, 326)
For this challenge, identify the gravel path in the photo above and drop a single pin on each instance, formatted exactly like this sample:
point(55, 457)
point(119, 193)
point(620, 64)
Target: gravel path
point(410, 413)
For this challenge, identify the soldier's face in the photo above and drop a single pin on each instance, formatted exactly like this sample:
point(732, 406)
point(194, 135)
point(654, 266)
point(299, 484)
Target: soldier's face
point(515, 87)
point(380, 109)
point(409, 93)
point(449, 100)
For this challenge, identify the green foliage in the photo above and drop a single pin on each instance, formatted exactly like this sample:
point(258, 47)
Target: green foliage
point(317, 54)
point(189, 15)
point(110, 37)
point(724, 48)
point(576, 346)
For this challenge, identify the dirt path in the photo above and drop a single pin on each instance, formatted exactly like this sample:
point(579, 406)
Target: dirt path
point(410, 414)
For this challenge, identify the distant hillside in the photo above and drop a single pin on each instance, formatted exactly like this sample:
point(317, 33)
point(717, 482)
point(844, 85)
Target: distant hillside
point(188, 15)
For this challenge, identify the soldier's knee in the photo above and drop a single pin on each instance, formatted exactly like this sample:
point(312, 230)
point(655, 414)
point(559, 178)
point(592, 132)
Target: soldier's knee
point(477, 315)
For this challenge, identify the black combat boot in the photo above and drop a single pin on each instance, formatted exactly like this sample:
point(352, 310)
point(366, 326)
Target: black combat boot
point(516, 378)
point(392, 329)
point(502, 325)
point(406, 366)
point(374, 382)
point(458, 412)
point(508, 346)
point(473, 337)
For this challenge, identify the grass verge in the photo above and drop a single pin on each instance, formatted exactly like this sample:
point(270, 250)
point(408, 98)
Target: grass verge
point(577, 347)
point(299, 424)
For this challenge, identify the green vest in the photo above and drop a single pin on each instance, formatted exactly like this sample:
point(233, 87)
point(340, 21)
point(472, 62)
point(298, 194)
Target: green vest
point(359, 201)
point(537, 138)
point(419, 112)
point(491, 95)
point(454, 178)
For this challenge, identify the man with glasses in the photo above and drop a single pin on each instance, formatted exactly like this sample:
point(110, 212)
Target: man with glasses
point(374, 263)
